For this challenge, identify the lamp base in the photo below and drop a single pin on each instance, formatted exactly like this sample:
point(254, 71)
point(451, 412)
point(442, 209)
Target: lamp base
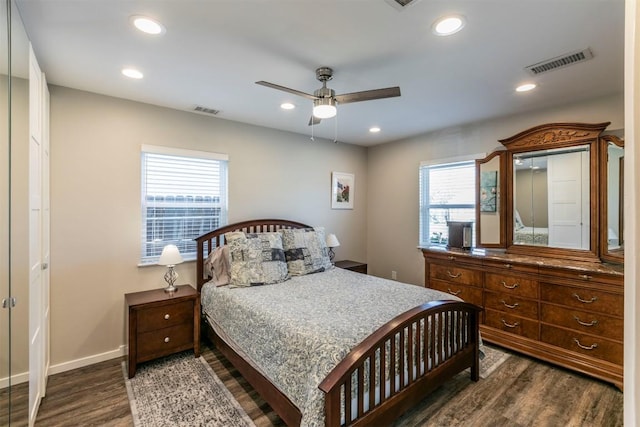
point(171, 276)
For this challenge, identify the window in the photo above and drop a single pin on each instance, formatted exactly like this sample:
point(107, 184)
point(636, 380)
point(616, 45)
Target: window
point(184, 195)
point(447, 193)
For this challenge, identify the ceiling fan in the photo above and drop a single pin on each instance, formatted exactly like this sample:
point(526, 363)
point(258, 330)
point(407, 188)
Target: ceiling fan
point(325, 99)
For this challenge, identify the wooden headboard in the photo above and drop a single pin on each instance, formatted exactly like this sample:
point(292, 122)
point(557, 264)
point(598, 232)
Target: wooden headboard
point(211, 240)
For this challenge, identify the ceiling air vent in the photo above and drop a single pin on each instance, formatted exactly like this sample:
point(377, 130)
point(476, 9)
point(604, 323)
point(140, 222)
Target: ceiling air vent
point(401, 4)
point(206, 110)
point(560, 62)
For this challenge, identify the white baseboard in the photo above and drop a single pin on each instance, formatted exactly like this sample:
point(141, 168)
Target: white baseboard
point(86, 361)
point(67, 366)
point(15, 379)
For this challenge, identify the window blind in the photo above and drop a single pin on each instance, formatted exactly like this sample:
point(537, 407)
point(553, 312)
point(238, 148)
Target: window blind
point(447, 193)
point(184, 195)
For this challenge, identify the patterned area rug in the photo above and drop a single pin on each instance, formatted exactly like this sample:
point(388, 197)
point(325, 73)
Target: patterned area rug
point(181, 390)
point(492, 359)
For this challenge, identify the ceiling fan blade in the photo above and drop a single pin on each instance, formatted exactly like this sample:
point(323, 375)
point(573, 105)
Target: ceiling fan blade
point(368, 95)
point(314, 120)
point(286, 89)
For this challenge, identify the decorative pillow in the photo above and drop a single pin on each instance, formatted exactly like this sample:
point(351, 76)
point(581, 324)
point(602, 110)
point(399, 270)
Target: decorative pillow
point(217, 266)
point(519, 224)
point(305, 250)
point(256, 258)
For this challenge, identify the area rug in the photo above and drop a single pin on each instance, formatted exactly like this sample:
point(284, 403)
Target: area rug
point(491, 360)
point(181, 390)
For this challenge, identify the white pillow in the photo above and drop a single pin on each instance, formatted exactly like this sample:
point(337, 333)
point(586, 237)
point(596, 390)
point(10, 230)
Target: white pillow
point(519, 224)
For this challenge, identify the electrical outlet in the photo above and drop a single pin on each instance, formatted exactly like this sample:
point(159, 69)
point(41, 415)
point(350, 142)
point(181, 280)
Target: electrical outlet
point(394, 275)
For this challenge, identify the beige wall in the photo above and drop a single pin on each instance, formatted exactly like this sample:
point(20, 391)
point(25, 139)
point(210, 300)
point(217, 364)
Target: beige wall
point(95, 202)
point(392, 220)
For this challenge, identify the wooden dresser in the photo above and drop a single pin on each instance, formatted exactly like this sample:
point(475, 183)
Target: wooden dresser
point(569, 313)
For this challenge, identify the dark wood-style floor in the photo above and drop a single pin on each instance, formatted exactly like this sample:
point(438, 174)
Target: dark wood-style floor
point(521, 392)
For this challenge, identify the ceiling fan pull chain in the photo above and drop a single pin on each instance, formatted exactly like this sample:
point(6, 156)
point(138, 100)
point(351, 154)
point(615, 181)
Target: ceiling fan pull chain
point(335, 130)
point(312, 125)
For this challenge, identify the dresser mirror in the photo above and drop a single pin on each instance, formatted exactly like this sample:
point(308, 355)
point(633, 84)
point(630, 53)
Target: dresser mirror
point(490, 191)
point(552, 194)
point(612, 201)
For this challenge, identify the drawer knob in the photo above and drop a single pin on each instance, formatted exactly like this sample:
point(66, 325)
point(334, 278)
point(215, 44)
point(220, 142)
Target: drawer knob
point(166, 316)
point(508, 266)
point(452, 258)
point(584, 301)
point(515, 285)
point(585, 277)
point(592, 323)
point(166, 339)
point(585, 347)
point(510, 325)
point(509, 305)
point(453, 276)
point(454, 293)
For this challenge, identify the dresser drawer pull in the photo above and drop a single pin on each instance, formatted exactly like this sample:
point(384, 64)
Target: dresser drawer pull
point(166, 316)
point(166, 339)
point(585, 277)
point(510, 325)
point(584, 301)
point(515, 285)
point(508, 266)
point(584, 347)
point(592, 323)
point(508, 305)
point(452, 258)
point(453, 276)
point(455, 294)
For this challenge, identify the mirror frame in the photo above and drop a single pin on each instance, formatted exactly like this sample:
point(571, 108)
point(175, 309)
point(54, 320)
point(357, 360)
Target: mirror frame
point(501, 199)
point(606, 255)
point(553, 136)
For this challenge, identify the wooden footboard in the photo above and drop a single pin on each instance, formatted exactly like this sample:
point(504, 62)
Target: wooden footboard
point(396, 366)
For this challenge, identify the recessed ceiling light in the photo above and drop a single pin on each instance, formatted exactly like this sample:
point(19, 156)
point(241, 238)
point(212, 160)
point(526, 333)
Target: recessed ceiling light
point(147, 25)
point(374, 129)
point(448, 25)
point(526, 87)
point(287, 106)
point(132, 73)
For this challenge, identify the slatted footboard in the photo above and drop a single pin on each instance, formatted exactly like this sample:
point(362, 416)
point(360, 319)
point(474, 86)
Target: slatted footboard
point(400, 363)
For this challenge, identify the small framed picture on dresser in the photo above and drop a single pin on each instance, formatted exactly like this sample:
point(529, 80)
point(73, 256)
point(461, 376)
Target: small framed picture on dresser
point(342, 190)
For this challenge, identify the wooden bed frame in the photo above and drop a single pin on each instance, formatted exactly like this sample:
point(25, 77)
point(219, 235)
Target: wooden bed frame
point(406, 337)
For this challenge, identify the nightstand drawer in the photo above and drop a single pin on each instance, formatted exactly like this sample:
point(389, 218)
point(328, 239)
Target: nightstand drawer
point(164, 341)
point(153, 318)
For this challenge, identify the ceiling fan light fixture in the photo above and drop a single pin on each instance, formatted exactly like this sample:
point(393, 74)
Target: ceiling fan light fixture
point(324, 108)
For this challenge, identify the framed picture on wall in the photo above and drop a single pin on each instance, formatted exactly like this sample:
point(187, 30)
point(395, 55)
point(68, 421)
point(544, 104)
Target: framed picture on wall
point(488, 191)
point(342, 190)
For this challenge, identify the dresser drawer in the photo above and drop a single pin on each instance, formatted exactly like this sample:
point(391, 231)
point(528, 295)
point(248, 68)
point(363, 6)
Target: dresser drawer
point(583, 298)
point(588, 345)
point(583, 321)
point(516, 325)
point(510, 304)
point(470, 294)
point(152, 318)
point(455, 274)
point(164, 341)
point(513, 285)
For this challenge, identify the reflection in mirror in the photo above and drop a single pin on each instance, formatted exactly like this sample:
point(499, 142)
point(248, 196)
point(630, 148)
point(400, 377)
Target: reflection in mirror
point(612, 191)
point(551, 198)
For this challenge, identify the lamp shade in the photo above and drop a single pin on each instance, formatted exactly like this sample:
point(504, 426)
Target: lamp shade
point(332, 241)
point(324, 108)
point(170, 256)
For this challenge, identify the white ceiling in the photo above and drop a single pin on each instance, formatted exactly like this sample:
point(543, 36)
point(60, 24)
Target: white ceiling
point(213, 51)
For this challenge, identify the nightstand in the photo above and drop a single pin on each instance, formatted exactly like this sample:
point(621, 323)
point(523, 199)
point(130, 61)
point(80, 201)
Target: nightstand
point(162, 323)
point(358, 267)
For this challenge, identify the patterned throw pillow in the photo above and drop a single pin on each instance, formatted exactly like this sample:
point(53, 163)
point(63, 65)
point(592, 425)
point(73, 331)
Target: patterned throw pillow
point(256, 258)
point(305, 250)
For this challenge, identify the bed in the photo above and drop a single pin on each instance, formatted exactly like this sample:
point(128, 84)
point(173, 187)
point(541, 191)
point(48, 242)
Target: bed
point(354, 363)
point(531, 236)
